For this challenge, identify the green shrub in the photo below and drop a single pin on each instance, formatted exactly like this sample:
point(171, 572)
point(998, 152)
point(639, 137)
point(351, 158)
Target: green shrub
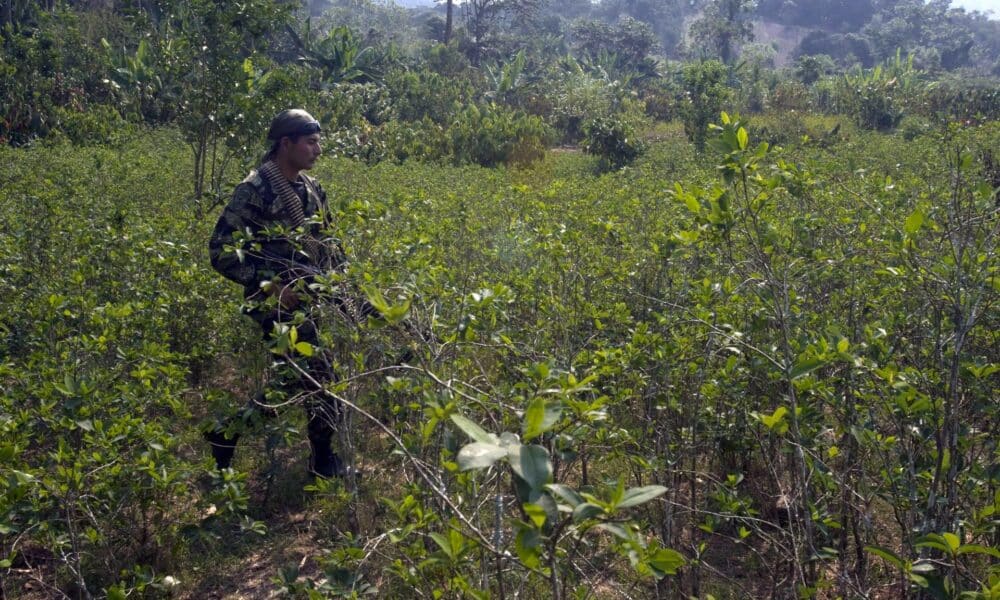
point(613, 140)
point(964, 100)
point(98, 125)
point(578, 98)
point(490, 135)
point(419, 94)
point(789, 95)
point(54, 65)
point(913, 126)
point(878, 98)
point(793, 127)
point(703, 97)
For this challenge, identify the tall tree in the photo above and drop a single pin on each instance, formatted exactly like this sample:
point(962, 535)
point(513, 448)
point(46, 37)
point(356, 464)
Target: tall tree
point(723, 26)
point(482, 17)
point(449, 21)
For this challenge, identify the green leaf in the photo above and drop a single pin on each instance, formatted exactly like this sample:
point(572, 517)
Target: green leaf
point(952, 540)
point(615, 529)
point(536, 513)
point(527, 545)
point(534, 418)
point(586, 511)
point(885, 554)
point(666, 561)
point(805, 366)
point(304, 348)
point(115, 593)
point(473, 430)
point(774, 419)
point(566, 493)
point(641, 495)
point(479, 455)
point(742, 138)
point(391, 314)
point(914, 222)
point(531, 463)
point(923, 566)
point(687, 236)
point(444, 544)
point(977, 549)
point(946, 542)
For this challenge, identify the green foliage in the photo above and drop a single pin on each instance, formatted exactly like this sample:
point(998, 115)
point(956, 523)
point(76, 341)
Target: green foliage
point(578, 98)
point(964, 100)
point(574, 355)
point(629, 38)
point(339, 56)
point(724, 25)
point(49, 75)
point(877, 98)
point(98, 355)
point(703, 96)
point(490, 135)
point(425, 93)
point(779, 351)
point(809, 68)
point(613, 140)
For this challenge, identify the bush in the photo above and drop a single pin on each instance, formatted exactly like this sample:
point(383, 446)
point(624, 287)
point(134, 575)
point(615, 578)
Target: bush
point(579, 98)
point(419, 94)
point(913, 126)
point(963, 100)
point(95, 126)
point(789, 95)
point(612, 139)
point(704, 94)
point(51, 67)
point(781, 129)
point(877, 98)
point(490, 135)
point(487, 135)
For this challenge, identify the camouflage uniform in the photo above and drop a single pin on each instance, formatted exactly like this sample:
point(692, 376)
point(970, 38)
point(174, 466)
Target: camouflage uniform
point(249, 247)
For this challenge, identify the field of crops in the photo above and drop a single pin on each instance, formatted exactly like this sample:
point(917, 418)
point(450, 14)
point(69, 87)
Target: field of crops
point(758, 371)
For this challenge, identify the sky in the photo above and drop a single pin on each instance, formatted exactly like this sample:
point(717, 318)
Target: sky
point(983, 5)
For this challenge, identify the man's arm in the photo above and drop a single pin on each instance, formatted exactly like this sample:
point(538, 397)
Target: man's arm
point(229, 256)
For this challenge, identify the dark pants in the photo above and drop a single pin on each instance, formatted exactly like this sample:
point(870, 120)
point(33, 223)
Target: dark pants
point(323, 413)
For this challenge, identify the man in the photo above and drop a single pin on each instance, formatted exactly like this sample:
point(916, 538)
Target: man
point(268, 239)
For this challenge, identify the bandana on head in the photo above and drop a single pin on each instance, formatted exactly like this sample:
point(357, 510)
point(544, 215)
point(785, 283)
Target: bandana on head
point(291, 123)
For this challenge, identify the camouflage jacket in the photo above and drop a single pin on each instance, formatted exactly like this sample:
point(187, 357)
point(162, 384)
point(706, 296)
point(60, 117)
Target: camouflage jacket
point(254, 241)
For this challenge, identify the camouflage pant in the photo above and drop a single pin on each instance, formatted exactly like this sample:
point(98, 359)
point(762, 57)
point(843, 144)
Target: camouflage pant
point(323, 412)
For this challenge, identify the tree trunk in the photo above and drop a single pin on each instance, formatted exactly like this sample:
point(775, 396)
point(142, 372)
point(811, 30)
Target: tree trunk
point(448, 21)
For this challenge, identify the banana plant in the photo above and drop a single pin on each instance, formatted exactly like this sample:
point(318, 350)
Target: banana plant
point(339, 56)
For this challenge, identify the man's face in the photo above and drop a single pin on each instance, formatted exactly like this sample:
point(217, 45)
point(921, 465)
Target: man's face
point(302, 154)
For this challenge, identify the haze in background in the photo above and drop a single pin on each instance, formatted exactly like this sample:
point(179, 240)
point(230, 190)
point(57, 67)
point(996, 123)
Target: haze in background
point(992, 6)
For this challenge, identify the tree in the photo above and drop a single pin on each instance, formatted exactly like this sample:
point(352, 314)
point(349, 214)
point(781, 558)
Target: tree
point(210, 51)
point(665, 17)
point(929, 29)
point(482, 17)
point(631, 39)
point(725, 24)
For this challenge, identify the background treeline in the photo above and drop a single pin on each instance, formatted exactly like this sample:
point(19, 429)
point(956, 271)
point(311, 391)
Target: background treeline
point(489, 81)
